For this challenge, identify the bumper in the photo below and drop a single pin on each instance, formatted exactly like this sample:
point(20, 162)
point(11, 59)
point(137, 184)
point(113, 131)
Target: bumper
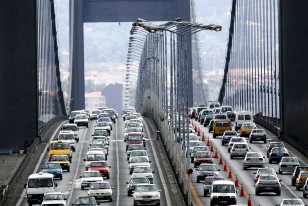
point(146, 201)
point(270, 188)
point(35, 198)
point(257, 138)
point(223, 201)
point(254, 164)
point(102, 196)
point(285, 168)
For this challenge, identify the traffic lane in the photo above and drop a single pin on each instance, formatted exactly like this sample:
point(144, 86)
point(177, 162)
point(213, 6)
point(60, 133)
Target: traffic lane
point(287, 189)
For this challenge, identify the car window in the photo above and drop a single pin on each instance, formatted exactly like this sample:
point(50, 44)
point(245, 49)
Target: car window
point(240, 117)
point(223, 189)
point(146, 188)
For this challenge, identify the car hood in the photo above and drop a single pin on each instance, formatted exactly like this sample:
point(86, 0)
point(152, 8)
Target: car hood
point(207, 172)
point(144, 174)
point(146, 193)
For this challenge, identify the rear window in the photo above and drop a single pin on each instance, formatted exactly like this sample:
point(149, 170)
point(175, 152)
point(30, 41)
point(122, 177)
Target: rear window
point(222, 124)
point(240, 117)
point(247, 117)
point(133, 138)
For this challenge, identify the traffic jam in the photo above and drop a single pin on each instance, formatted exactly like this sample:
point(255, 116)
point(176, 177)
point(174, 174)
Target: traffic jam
point(234, 159)
point(41, 187)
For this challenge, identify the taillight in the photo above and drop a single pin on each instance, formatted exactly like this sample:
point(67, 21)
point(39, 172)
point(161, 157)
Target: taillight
point(260, 158)
point(285, 154)
point(233, 150)
point(247, 149)
point(248, 159)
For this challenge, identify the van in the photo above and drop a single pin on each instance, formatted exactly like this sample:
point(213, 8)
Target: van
point(37, 185)
point(213, 104)
point(223, 192)
point(60, 148)
point(220, 126)
point(242, 117)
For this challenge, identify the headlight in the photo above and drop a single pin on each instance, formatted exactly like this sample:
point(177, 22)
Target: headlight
point(29, 196)
point(138, 196)
point(156, 196)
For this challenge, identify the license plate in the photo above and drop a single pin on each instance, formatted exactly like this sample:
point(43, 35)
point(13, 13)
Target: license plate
point(268, 188)
point(223, 201)
point(258, 138)
point(289, 165)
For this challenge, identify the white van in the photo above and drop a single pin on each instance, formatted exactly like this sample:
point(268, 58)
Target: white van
point(39, 184)
point(213, 104)
point(220, 190)
point(242, 117)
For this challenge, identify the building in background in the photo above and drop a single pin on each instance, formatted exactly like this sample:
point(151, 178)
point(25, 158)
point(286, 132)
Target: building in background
point(113, 94)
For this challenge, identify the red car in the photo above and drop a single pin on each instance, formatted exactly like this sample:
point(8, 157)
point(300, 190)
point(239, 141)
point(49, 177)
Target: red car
point(100, 166)
point(133, 138)
point(202, 157)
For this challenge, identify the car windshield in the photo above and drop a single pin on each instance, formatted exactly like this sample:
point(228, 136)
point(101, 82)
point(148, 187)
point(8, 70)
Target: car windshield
point(59, 158)
point(139, 180)
point(220, 116)
point(222, 124)
point(95, 157)
point(52, 166)
point(207, 167)
point(40, 182)
point(240, 146)
point(223, 188)
point(278, 144)
point(92, 174)
point(236, 139)
point(139, 160)
point(135, 147)
point(201, 149)
point(203, 154)
point(193, 144)
point(102, 124)
point(304, 174)
point(99, 185)
point(104, 119)
point(133, 124)
point(133, 129)
point(289, 159)
point(81, 117)
point(292, 202)
point(53, 197)
point(231, 133)
point(134, 138)
point(268, 177)
point(98, 164)
point(95, 111)
point(59, 146)
point(69, 127)
point(85, 201)
point(258, 131)
point(279, 150)
point(97, 146)
point(266, 171)
point(101, 133)
point(142, 170)
point(146, 188)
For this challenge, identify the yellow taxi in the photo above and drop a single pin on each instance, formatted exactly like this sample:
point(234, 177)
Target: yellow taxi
point(300, 181)
point(246, 128)
point(60, 148)
point(62, 160)
point(220, 126)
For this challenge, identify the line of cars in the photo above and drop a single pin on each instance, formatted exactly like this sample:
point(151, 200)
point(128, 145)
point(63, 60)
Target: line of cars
point(266, 179)
point(40, 187)
point(141, 184)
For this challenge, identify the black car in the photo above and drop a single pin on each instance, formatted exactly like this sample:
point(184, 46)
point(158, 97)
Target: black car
point(207, 119)
point(211, 125)
point(135, 181)
point(273, 144)
point(231, 115)
point(296, 172)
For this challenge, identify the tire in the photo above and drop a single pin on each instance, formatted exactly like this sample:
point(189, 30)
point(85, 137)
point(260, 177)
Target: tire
point(304, 195)
point(87, 126)
point(61, 177)
point(110, 200)
point(30, 204)
point(212, 204)
point(298, 188)
point(279, 171)
point(128, 193)
point(82, 187)
point(204, 194)
point(278, 193)
point(198, 181)
point(191, 160)
point(135, 204)
point(244, 168)
point(250, 141)
point(257, 193)
point(214, 136)
point(108, 176)
point(231, 157)
point(270, 161)
point(293, 182)
point(195, 166)
point(264, 141)
point(68, 169)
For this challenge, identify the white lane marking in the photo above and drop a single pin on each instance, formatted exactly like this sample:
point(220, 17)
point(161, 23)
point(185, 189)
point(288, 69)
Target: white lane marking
point(160, 171)
point(118, 167)
point(290, 190)
point(39, 163)
point(76, 172)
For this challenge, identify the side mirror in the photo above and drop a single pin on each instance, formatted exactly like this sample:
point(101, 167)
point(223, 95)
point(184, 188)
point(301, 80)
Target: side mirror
point(109, 166)
point(25, 185)
point(159, 190)
point(149, 161)
point(84, 160)
point(127, 182)
point(153, 171)
point(128, 161)
point(48, 149)
point(56, 185)
point(280, 180)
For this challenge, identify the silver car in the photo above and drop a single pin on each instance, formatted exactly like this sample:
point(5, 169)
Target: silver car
point(235, 140)
point(239, 150)
point(253, 159)
point(268, 183)
point(287, 164)
point(263, 171)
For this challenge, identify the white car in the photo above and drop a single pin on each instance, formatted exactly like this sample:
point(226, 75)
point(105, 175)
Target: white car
point(253, 159)
point(138, 161)
point(72, 127)
point(291, 202)
point(136, 120)
point(54, 198)
point(236, 140)
point(103, 126)
point(146, 194)
point(81, 120)
point(257, 135)
point(287, 164)
point(106, 119)
point(101, 191)
point(65, 135)
point(143, 171)
point(94, 114)
point(138, 153)
point(89, 177)
point(239, 150)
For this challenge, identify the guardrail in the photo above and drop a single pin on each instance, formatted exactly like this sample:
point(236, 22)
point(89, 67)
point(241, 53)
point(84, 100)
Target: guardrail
point(24, 163)
point(271, 124)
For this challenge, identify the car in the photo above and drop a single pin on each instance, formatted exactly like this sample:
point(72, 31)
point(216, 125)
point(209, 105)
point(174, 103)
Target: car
point(54, 198)
point(138, 161)
point(93, 156)
point(60, 148)
point(72, 116)
point(296, 172)
point(146, 194)
point(208, 183)
point(287, 164)
point(265, 170)
point(101, 132)
point(132, 129)
point(85, 201)
point(106, 119)
point(277, 153)
point(63, 160)
point(216, 110)
point(135, 181)
point(135, 120)
point(235, 140)
point(101, 191)
point(68, 136)
point(81, 120)
point(133, 147)
point(226, 137)
point(220, 126)
point(257, 135)
point(191, 146)
point(196, 149)
point(72, 127)
point(90, 176)
point(100, 166)
point(206, 170)
point(53, 168)
point(143, 171)
point(305, 189)
point(103, 126)
point(268, 183)
point(202, 157)
point(133, 138)
point(253, 159)
point(301, 179)
point(204, 112)
point(241, 117)
point(223, 192)
point(224, 109)
point(207, 119)
point(138, 153)
point(291, 202)
point(94, 114)
point(273, 144)
point(246, 128)
point(112, 114)
point(220, 117)
point(239, 150)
